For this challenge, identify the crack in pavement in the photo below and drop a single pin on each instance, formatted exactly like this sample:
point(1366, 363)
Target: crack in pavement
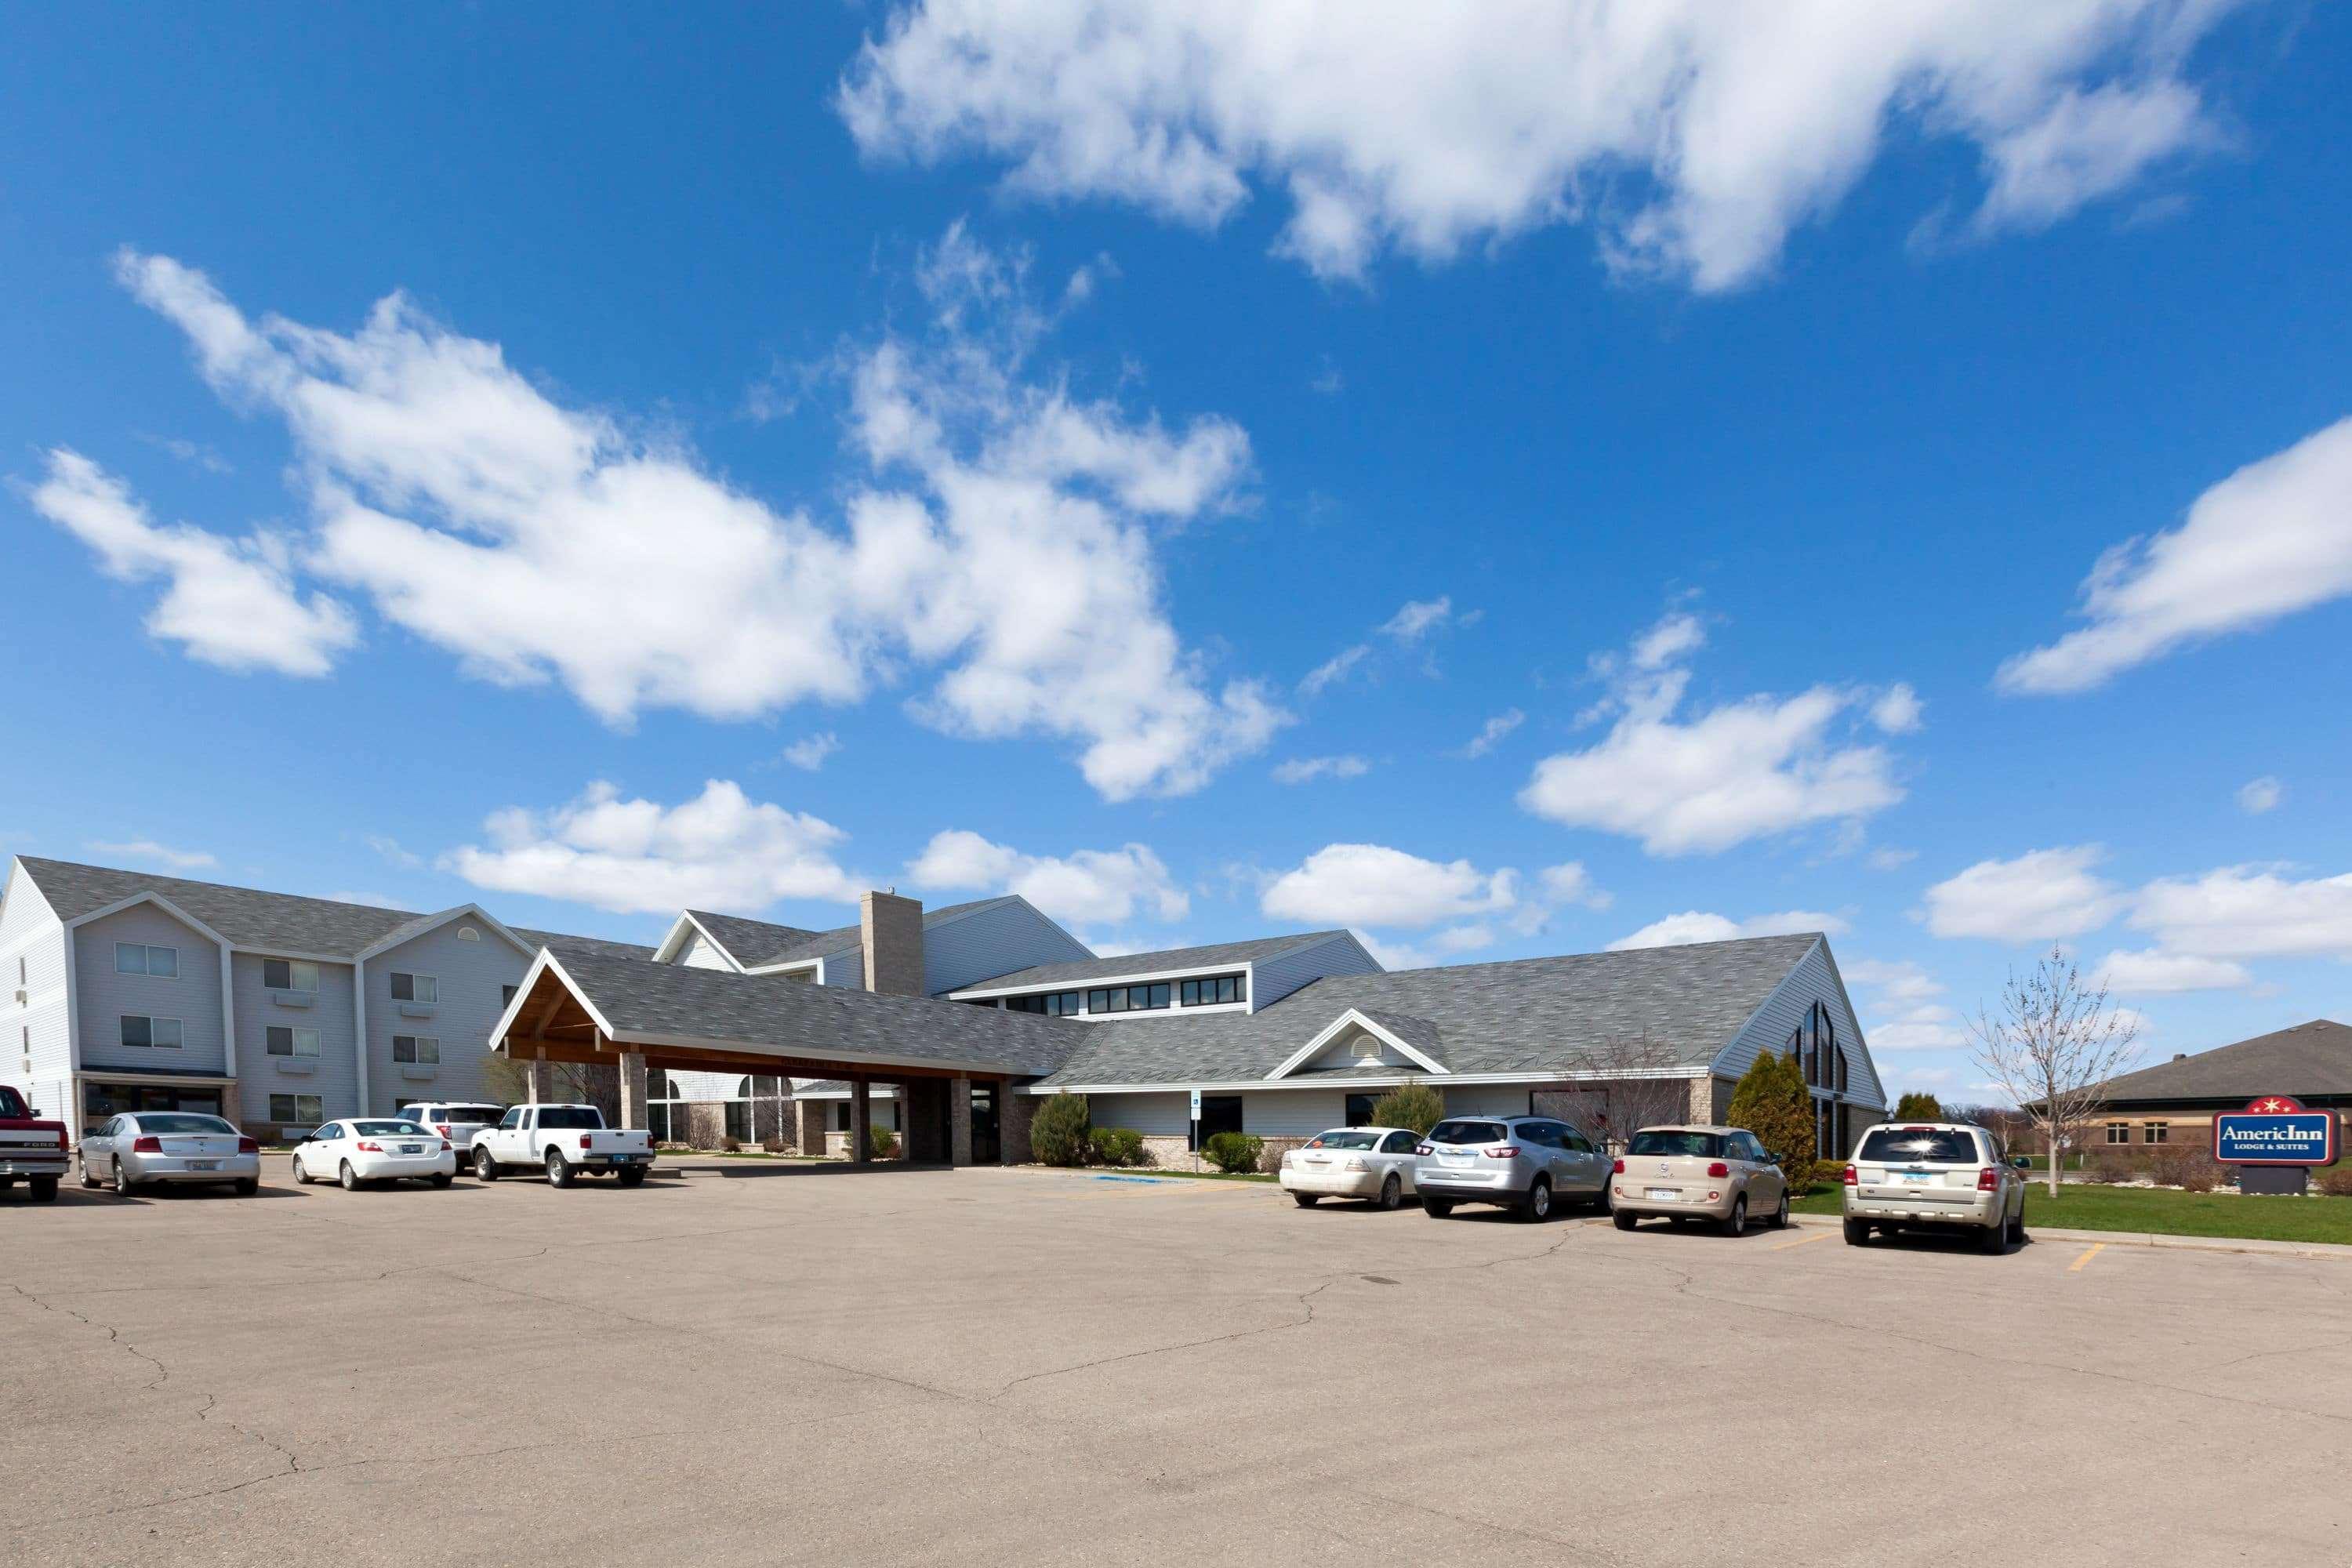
point(1305, 1298)
point(162, 1373)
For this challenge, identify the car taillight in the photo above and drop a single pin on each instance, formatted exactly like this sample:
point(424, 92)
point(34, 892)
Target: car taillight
point(1849, 1178)
point(1718, 1169)
point(447, 1148)
point(1616, 1167)
point(442, 1128)
point(248, 1145)
point(1989, 1180)
point(1356, 1163)
point(369, 1148)
point(1424, 1149)
point(147, 1146)
point(583, 1142)
point(1502, 1152)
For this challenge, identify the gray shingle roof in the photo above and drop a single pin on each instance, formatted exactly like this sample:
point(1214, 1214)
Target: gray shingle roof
point(1080, 970)
point(1532, 1015)
point(280, 922)
point(2307, 1061)
point(749, 941)
point(638, 997)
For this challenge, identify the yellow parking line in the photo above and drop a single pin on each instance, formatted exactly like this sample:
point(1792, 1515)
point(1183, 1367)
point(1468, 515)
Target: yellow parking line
point(2096, 1249)
point(1803, 1240)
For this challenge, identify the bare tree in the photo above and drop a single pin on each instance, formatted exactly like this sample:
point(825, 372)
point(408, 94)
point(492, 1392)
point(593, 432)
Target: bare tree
point(2054, 1046)
point(1621, 1085)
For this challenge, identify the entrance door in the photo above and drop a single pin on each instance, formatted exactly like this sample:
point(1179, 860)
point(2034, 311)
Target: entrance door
point(986, 1146)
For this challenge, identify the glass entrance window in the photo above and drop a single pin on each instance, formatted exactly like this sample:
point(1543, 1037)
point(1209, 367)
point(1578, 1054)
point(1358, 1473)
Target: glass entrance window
point(1219, 1113)
point(99, 1100)
point(1360, 1109)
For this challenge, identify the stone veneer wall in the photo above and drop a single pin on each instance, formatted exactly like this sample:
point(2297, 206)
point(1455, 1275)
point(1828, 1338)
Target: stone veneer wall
point(1168, 1152)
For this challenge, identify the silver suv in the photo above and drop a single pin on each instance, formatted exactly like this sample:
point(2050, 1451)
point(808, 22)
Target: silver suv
point(1934, 1175)
point(1523, 1162)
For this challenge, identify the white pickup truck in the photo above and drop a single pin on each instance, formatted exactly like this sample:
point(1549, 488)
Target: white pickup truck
point(564, 1140)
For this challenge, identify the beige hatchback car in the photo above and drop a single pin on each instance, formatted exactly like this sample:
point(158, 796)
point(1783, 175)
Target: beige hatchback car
point(1721, 1175)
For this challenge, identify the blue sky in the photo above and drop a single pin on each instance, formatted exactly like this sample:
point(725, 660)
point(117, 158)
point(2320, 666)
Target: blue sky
point(1498, 486)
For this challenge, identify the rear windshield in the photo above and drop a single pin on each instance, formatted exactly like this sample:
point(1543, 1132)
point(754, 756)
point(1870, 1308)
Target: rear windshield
point(11, 1107)
point(388, 1130)
point(1344, 1138)
point(167, 1123)
point(1467, 1132)
point(1705, 1145)
point(471, 1113)
point(582, 1116)
point(1919, 1146)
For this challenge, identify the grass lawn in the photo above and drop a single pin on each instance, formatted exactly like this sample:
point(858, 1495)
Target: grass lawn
point(1154, 1173)
point(2162, 1210)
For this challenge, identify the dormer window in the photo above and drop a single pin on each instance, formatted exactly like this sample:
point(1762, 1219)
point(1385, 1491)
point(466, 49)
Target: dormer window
point(1366, 1048)
point(288, 975)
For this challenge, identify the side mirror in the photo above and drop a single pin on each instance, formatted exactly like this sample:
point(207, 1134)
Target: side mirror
point(2022, 1163)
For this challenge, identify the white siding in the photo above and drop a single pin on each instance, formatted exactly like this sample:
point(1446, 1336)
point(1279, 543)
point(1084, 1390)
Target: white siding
point(846, 967)
point(1000, 939)
point(332, 1076)
point(468, 977)
point(102, 996)
point(700, 954)
point(1272, 979)
point(36, 1056)
point(1814, 979)
point(1158, 1113)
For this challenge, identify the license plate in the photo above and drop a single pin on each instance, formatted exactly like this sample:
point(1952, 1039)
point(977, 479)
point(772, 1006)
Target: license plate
point(412, 1147)
point(1918, 1178)
point(1454, 1159)
point(1665, 1194)
point(203, 1164)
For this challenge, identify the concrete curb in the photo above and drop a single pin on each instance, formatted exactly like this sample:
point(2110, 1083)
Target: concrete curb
point(2244, 1243)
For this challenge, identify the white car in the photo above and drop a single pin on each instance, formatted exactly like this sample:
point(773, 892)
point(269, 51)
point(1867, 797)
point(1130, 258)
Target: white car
point(1374, 1162)
point(138, 1147)
point(364, 1150)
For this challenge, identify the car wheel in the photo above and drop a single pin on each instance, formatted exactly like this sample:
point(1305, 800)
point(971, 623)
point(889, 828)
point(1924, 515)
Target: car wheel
point(1605, 1200)
point(1625, 1221)
point(1306, 1200)
point(88, 1180)
point(442, 1179)
point(1436, 1208)
point(630, 1178)
point(484, 1168)
point(42, 1189)
point(245, 1188)
point(559, 1170)
point(1994, 1238)
point(1856, 1232)
point(1780, 1215)
point(2017, 1228)
point(1537, 1208)
point(301, 1176)
point(1391, 1192)
point(122, 1184)
point(1736, 1222)
point(349, 1178)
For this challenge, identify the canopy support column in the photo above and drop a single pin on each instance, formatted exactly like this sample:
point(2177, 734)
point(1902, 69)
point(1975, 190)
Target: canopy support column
point(861, 1123)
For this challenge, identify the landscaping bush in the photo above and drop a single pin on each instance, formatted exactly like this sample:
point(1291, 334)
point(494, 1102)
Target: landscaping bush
point(1235, 1152)
point(1414, 1105)
point(731, 1144)
point(1773, 1103)
point(2188, 1166)
point(2336, 1181)
point(2112, 1163)
point(772, 1145)
point(1060, 1134)
point(882, 1142)
point(1115, 1146)
point(1917, 1106)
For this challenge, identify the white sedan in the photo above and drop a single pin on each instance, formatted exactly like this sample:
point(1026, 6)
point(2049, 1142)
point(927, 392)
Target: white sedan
point(358, 1152)
point(1373, 1162)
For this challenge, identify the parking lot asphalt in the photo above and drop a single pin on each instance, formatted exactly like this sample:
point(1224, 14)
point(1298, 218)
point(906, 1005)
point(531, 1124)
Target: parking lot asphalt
point(822, 1365)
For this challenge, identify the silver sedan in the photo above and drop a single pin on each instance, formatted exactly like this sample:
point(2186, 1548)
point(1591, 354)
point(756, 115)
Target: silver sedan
point(129, 1151)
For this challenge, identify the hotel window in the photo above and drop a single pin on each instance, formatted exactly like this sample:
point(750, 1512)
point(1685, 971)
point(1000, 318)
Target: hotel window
point(307, 1109)
point(1209, 993)
point(2118, 1132)
point(1131, 999)
point(1052, 1004)
point(157, 1033)
point(1360, 1109)
point(415, 987)
point(1219, 1113)
point(288, 975)
point(2158, 1132)
point(420, 1051)
point(286, 1042)
point(138, 958)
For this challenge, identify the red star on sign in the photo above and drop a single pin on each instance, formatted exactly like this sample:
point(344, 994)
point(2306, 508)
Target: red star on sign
point(2273, 1105)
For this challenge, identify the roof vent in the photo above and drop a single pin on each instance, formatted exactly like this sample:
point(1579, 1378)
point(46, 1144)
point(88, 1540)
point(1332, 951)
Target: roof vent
point(468, 934)
point(2180, 1056)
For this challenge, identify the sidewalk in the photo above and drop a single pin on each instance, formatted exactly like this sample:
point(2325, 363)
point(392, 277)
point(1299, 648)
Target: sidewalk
point(2145, 1238)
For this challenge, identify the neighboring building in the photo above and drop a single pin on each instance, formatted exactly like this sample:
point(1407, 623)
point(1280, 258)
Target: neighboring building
point(2176, 1101)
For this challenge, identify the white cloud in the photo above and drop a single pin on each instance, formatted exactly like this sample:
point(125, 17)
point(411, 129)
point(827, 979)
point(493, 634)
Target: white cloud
point(1929, 1027)
point(1901, 981)
point(1904, 1014)
point(1417, 618)
point(2274, 538)
point(1887, 857)
point(809, 751)
point(1372, 885)
point(373, 900)
point(1692, 136)
point(1746, 770)
point(2041, 894)
point(1468, 938)
point(1334, 669)
point(1414, 621)
point(392, 849)
point(2155, 969)
point(1105, 885)
point(1698, 925)
point(2249, 912)
point(451, 489)
point(1898, 711)
point(1492, 734)
point(2259, 795)
point(721, 850)
point(1570, 883)
point(1300, 770)
point(162, 854)
point(231, 603)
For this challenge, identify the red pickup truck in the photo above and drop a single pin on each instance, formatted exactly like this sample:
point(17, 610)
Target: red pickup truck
point(31, 1150)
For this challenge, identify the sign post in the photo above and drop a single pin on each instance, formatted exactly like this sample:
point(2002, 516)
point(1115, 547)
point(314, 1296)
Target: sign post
point(2275, 1142)
point(1196, 1122)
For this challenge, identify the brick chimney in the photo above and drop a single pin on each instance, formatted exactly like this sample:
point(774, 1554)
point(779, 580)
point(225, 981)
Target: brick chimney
point(890, 930)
